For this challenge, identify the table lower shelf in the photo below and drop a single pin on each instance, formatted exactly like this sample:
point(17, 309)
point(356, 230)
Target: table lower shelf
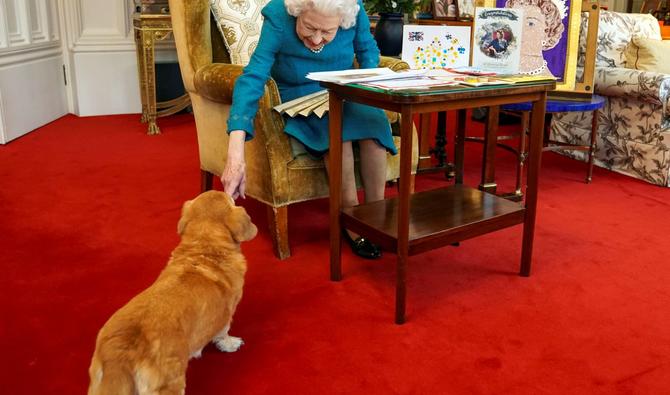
point(437, 217)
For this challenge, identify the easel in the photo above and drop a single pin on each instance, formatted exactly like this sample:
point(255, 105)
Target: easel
point(584, 88)
point(578, 97)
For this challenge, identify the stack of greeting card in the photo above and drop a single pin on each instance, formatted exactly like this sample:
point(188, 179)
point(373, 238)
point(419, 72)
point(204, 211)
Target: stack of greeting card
point(432, 47)
point(497, 39)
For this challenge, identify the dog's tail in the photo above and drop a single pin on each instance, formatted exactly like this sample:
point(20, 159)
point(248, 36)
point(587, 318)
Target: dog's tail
point(110, 380)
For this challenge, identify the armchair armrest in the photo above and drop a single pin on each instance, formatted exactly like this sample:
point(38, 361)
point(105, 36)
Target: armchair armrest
point(646, 86)
point(393, 63)
point(216, 81)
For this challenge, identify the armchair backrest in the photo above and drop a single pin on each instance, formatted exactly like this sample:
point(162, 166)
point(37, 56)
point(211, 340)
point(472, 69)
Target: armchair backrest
point(615, 31)
point(192, 36)
point(219, 51)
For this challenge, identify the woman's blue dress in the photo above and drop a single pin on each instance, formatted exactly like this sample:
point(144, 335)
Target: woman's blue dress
point(282, 55)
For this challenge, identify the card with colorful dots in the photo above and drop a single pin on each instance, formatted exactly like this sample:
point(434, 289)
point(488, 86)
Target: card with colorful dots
point(433, 47)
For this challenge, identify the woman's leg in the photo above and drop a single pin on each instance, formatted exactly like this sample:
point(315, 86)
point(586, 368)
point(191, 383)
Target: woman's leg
point(373, 169)
point(349, 194)
point(359, 245)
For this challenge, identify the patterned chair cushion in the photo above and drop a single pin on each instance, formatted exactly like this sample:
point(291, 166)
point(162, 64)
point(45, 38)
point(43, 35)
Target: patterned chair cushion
point(239, 22)
point(643, 86)
point(615, 32)
point(648, 54)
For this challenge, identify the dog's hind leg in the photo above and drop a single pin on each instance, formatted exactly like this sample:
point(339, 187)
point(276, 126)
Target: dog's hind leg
point(162, 377)
point(227, 343)
point(177, 387)
point(172, 386)
point(113, 379)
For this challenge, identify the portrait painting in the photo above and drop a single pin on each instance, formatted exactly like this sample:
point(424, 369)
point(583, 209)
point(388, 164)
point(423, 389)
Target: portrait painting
point(550, 38)
point(445, 9)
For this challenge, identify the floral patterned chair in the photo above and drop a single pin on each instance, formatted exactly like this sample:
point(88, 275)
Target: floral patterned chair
point(634, 125)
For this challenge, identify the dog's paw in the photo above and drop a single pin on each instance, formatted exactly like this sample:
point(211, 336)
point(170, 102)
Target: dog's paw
point(229, 343)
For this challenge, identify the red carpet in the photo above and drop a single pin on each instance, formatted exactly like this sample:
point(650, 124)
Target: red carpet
point(88, 213)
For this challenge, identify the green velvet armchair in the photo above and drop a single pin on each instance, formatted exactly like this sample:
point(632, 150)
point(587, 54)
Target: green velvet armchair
point(274, 176)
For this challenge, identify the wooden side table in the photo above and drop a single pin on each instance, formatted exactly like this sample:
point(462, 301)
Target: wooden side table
point(414, 223)
point(148, 29)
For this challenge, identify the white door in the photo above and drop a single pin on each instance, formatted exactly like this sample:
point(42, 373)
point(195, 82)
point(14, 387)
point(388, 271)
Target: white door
point(32, 77)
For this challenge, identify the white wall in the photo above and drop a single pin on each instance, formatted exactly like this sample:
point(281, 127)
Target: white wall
point(32, 90)
point(88, 42)
point(101, 56)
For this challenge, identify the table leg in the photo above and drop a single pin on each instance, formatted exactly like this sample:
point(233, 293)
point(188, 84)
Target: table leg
point(149, 81)
point(403, 213)
point(440, 139)
point(439, 150)
point(335, 180)
point(534, 160)
point(521, 154)
point(141, 66)
point(488, 183)
point(592, 147)
point(424, 142)
point(459, 146)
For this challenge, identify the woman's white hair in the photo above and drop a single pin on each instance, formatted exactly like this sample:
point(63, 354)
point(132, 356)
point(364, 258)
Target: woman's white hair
point(346, 9)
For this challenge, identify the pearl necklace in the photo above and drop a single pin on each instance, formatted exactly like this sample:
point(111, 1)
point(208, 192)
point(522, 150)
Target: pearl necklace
point(318, 50)
point(537, 70)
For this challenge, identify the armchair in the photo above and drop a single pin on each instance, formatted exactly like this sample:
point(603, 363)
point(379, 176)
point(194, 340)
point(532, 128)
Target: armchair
point(274, 176)
point(633, 135)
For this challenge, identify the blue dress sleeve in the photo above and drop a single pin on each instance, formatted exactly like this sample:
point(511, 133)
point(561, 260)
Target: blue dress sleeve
point(365, 45)
point(250, 86)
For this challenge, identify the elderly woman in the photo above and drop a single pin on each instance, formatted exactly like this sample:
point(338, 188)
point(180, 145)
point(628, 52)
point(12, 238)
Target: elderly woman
point(301, 36)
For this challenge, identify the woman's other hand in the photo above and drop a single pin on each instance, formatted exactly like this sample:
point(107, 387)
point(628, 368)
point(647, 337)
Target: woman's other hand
point(234, 178)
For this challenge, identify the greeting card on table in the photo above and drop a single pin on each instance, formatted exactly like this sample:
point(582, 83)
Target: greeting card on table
point(431, 47)
point(497, 39)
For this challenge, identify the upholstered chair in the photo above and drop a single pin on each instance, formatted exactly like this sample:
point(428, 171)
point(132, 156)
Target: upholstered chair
point(633, 134)
point(274, 176)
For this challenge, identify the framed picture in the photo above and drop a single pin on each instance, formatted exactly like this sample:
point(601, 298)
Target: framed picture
point(466, 9)
point(445, 9)
point(557, 24)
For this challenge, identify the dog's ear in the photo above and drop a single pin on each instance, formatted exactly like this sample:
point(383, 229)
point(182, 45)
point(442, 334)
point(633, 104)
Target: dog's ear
point(240, 225)
point(183, 220)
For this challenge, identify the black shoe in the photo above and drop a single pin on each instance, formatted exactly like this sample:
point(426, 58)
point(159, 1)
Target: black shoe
point(362, 247)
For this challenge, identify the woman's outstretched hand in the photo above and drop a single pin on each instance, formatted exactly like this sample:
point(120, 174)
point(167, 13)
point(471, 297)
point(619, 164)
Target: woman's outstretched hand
point(234, 178)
